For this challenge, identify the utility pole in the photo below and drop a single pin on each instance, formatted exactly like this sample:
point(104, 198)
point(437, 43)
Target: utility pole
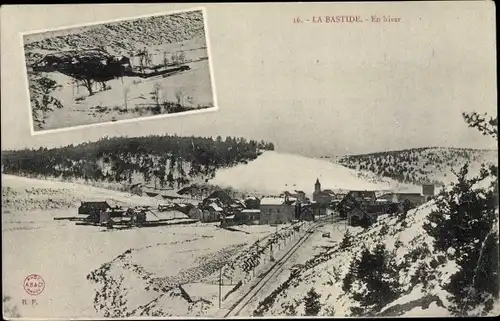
point(220, 285)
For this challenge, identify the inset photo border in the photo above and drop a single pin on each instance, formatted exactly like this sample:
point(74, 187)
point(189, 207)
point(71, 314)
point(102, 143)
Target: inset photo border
point(124, 70)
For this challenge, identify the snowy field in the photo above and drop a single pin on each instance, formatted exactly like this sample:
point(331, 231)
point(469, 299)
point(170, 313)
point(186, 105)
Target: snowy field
point(84, 267)
point(131, 97)
point(108, 105)
point(274, 172)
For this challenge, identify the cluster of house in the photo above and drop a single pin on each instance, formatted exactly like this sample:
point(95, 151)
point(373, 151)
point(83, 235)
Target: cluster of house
point(290, 206)
point(101, 212)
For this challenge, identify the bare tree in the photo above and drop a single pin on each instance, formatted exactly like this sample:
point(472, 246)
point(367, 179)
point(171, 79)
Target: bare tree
point(155, 93)
point(88, 82)
point(42, 101)
point(175, 58)
point(179, 95)
point(165, 58)
point(149, 60)
point(126, 91)
point(181, 58)
point(132, 56)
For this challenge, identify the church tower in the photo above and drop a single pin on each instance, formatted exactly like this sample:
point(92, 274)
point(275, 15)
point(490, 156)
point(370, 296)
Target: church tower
point(317, 186)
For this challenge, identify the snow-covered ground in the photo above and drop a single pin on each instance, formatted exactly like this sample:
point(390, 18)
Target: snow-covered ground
point(84, 266)
point(324, 269)
point(82, 109)
point(275, 172)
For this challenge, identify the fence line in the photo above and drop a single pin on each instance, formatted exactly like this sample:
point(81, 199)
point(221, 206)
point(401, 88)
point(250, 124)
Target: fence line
point(162, 58)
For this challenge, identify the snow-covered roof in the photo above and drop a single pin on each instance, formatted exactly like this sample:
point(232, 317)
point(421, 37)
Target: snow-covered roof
point(251, 198)
point(272, 201)
point(230, 217)
point(250, 211)
point(215, 207)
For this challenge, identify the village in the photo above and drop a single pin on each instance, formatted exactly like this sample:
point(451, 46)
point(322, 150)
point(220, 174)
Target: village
point(355, 207)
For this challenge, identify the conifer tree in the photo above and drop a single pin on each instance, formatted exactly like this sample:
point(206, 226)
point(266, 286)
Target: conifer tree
point(312, 303)
point(347, 241)
point(466, 220)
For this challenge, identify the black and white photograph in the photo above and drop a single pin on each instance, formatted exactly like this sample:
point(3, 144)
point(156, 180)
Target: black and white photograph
point(123, 70)
point(349, 171)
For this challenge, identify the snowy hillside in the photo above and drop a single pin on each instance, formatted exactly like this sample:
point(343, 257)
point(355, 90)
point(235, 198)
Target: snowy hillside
point(412, 279)
point(420, 165)
point(273, 173)
point(164, 161)
point(122, 37)
point(422, 273)
point(25, 194)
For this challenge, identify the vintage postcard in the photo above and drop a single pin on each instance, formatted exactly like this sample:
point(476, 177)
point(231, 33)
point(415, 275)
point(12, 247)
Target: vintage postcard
point(119, 70)
point(349, 167)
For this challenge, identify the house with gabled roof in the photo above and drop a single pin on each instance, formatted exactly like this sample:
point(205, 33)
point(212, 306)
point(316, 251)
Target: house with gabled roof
point(277, 210)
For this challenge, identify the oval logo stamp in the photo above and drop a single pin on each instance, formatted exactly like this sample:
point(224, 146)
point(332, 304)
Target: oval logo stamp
point(34, 284)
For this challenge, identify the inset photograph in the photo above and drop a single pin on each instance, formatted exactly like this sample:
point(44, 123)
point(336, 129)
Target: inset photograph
point(121, 70)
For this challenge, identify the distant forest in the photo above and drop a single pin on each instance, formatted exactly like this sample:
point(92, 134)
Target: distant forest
point(169, 160)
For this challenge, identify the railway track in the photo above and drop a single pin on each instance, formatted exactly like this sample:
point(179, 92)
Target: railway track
point(269, 274)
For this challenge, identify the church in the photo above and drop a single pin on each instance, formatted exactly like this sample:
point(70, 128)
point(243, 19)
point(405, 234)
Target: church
point(322, 197)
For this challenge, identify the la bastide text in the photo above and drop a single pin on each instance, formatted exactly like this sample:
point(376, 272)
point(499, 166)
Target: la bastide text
point(327, 19)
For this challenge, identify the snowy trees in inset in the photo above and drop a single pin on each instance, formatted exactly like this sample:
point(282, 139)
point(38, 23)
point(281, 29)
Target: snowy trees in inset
point(126, 91)
point(156, 96)
point(180, 96)
point(42, 101)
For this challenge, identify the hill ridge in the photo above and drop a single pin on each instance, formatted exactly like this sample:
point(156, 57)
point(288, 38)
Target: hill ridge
point(421, 165)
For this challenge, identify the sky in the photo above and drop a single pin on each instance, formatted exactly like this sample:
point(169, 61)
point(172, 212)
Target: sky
point(312, 89)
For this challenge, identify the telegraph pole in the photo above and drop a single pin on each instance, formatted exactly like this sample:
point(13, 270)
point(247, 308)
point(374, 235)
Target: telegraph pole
point(220, 286)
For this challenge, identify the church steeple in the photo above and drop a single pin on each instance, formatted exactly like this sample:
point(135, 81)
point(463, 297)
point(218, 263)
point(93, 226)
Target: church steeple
point(317, 186)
